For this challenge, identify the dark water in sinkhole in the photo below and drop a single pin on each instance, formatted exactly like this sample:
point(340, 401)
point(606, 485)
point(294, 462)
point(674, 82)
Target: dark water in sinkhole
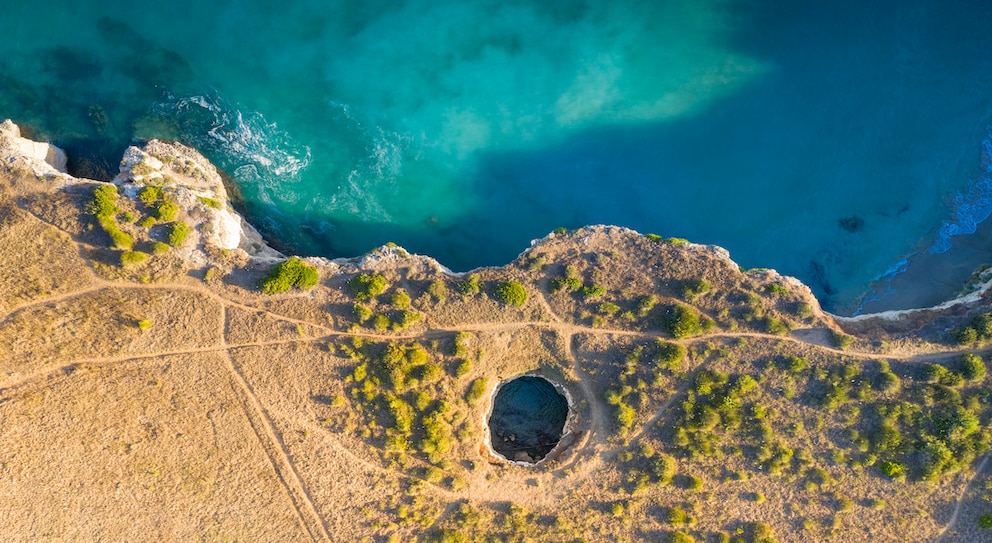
point(528, 419)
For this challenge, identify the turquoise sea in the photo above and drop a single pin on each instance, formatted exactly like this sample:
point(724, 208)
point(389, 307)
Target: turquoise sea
point(829, 140)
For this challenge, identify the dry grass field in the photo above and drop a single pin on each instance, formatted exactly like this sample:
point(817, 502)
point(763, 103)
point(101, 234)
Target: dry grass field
point(162, 401)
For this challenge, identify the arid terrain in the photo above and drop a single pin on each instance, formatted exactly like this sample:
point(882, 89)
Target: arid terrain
point(166, 397)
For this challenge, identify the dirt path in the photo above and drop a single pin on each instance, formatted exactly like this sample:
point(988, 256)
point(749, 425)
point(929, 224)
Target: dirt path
point(964, 492)
point(273, 446)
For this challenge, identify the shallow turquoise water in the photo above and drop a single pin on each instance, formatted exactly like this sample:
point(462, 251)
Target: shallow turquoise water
point(828, 141)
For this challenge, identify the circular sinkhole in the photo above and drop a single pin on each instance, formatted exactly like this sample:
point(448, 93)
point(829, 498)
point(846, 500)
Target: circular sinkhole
point(528, 419)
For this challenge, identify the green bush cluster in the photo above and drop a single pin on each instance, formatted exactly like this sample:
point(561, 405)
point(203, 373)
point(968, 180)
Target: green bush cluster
point(647, 467)
point(775, 326)
point(400, 299)
point(406, 318)
point(178, 231)
point(362, 313)
point(592, 291)
point(694, 288)
point(210, 202)
point(149, 195)
point(166, 211)
point(569, 284)
point(721, 406)
point(511, 293)
point(104, 207)
point(979, 329)
point(470, 286)
point(438, 290)
point(939, 432)
point(683, 322)
point(477, 390)
point(365, 286)
point(288, 274)
point(399, 384)
point(132, 258)
point(776, 289)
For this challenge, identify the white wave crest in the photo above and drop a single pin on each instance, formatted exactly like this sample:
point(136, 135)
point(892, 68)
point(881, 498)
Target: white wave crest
point(257, 152)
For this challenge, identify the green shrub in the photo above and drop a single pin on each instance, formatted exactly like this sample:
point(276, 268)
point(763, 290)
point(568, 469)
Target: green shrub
point(147, 222)
point(477, 389)
point(210, 202)
point(695, 288)
point(570, 284)
point(677, 516)
point(843, 340)
point(625, 416)
point(463, 367)
point(653, 237)
point(683, 322)
point(893, 469)
point(646, 304)
point(662, 468)
point(141, 169)
point(166, 211)
point(130, 217)
point(668, 355)
point(178, 231)
point(160, 248)
point(149, 195)
point(593, 291)
point(400, 299)
point(365, 286)
point(288, 274)
point(680, 537)
point(511, 293)
point(131, 258)
point(438, 290)
point(362, 312)
point(607, 308)
point(985, 521)
point(144, 324)
point(406, 318)
point(121, 239)
point(776, 290)
point(470, 286)
point(380, 322)
point(972, 367)
point(775, 326)
point(979, 329)
point(104, 203)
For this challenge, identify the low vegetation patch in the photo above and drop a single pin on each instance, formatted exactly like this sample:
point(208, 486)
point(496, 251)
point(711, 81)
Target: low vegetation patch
point(511, 293)
point(289, 274)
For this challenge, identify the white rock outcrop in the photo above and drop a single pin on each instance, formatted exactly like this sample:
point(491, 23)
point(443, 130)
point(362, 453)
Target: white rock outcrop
point(195, 184)
point(43, 159)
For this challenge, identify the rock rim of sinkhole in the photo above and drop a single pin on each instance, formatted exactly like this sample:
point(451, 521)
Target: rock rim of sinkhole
point(531, 426)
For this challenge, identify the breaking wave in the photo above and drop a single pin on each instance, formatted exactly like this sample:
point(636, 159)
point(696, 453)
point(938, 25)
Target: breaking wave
point(970, 207)
point(258, 153)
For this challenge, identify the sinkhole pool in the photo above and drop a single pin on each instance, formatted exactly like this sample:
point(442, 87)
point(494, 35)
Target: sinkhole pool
point(528, 419)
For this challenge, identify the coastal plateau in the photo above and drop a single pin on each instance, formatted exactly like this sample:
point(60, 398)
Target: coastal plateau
point(166, 375)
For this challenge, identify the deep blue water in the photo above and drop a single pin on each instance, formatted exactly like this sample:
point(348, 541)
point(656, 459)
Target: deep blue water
point(827, 140)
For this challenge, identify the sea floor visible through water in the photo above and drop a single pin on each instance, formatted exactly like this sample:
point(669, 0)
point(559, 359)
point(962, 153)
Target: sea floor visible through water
point(828, 141)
